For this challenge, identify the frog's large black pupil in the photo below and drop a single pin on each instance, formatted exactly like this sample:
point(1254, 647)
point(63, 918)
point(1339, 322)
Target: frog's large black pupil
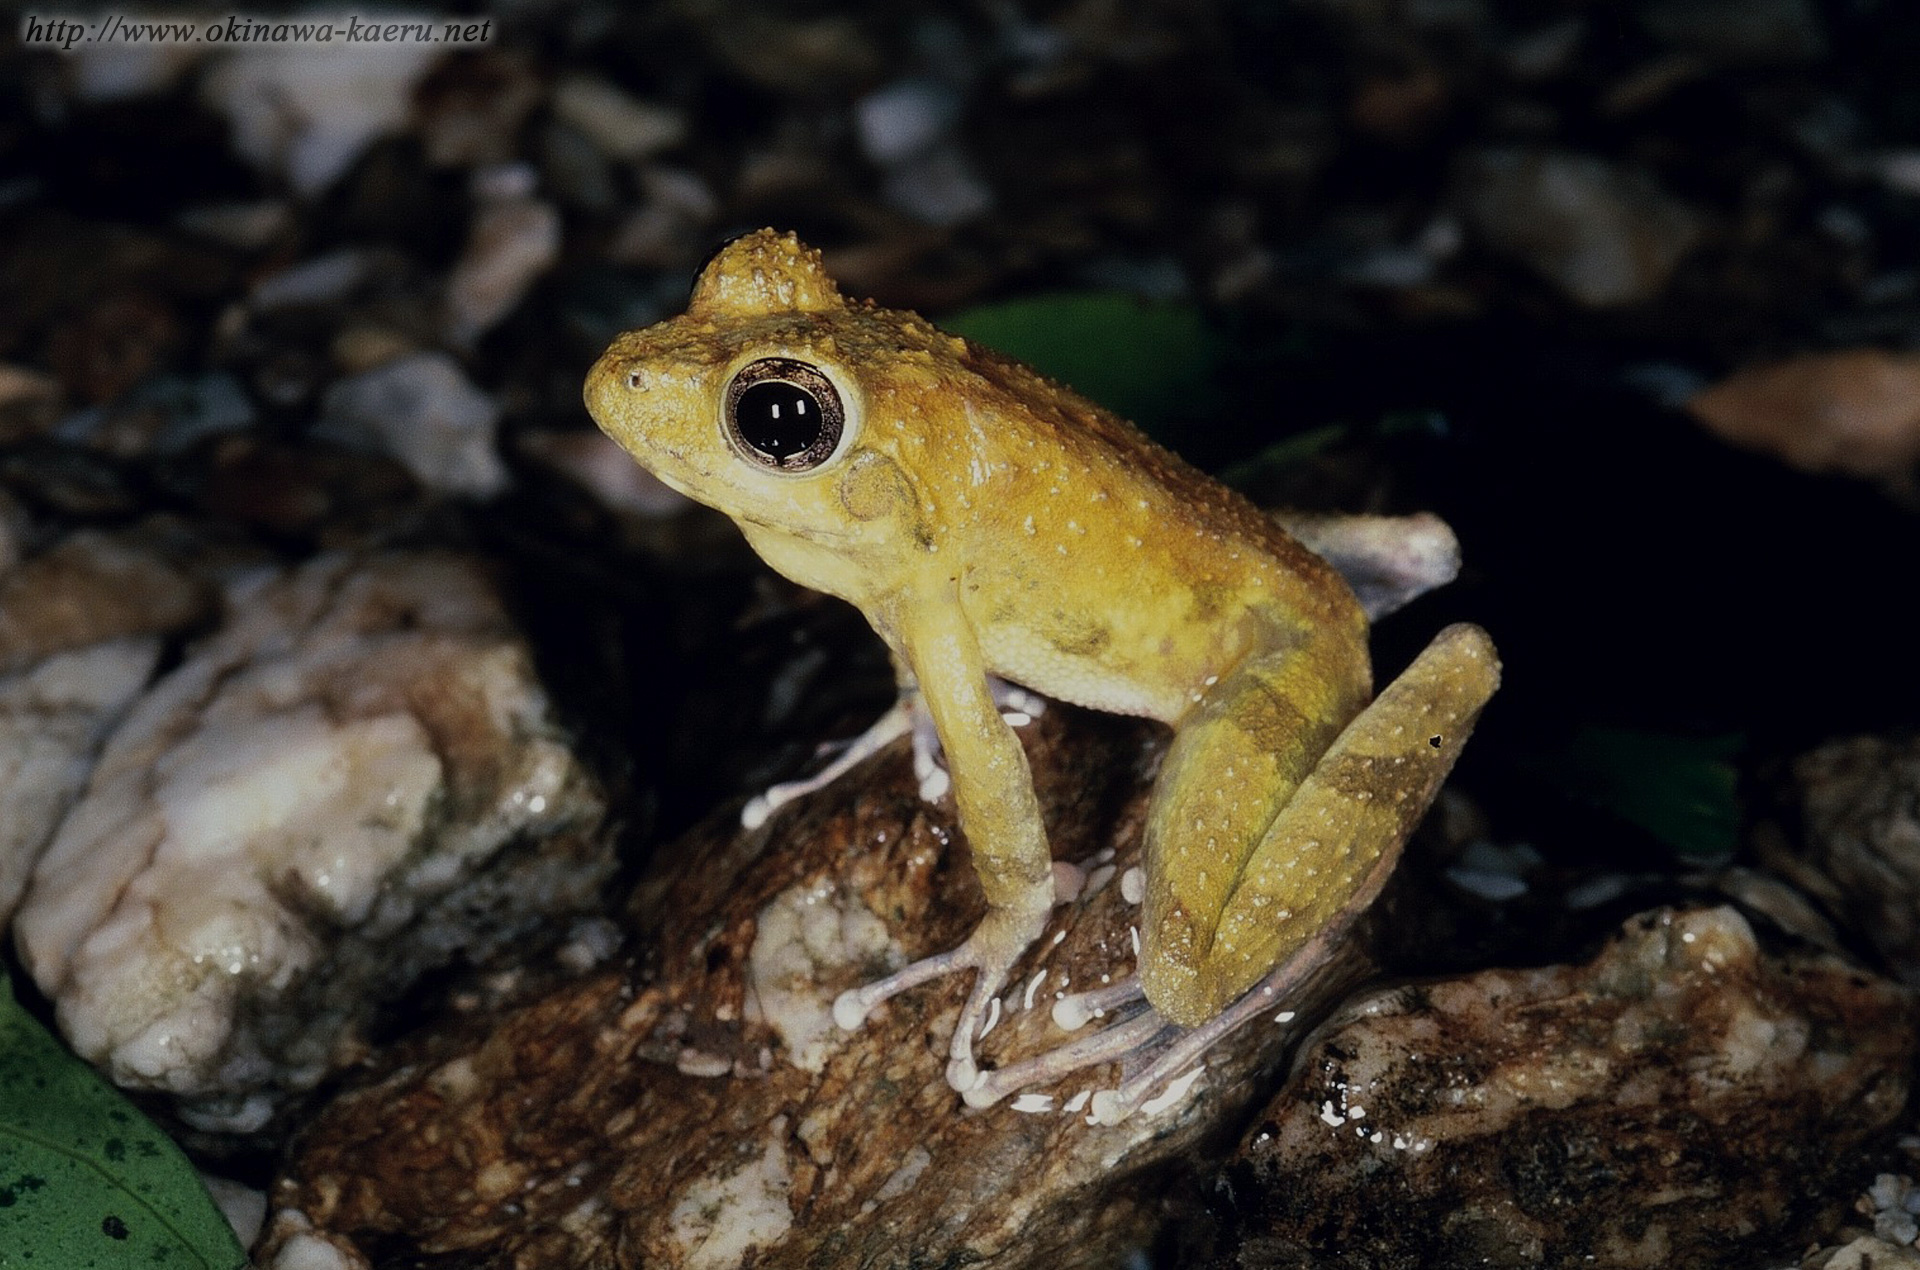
point(778, 418)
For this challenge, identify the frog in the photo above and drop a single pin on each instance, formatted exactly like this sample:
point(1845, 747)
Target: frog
point(997, 529)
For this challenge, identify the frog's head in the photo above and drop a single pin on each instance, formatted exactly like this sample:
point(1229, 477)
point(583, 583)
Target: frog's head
point(750, 401)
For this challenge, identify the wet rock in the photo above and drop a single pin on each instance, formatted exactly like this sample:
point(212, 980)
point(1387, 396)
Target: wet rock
point(471, 107)
point(353, 781)
point(512, 243)
point(699, 1106)
point(307, 113)
point(323, 280)
point(29, 403)
point(1855, 411)
point(79, 628)
point(1865, 1253)
point(1738, 31)
point(114, 343)
point(424, 411)
point(620, 125)
point(1603, 235)
point(247, 226)
point(164, 415)
point(1683, 1099)
point(1858, 845)
point(90, 588)
point(676, 208)
point(53, 717)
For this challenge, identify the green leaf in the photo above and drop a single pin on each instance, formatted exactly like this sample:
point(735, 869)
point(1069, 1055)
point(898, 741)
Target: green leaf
point(1682, 790)
point(86, 1181)
point(1151, 362)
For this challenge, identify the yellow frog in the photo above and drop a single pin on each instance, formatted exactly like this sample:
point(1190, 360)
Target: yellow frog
point(990, 523)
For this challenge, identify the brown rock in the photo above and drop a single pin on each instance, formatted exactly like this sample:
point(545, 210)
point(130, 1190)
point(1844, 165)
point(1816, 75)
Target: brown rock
point(1859, 802)
point(683, 1113)
point(1681, 1100)
point(1855, 411)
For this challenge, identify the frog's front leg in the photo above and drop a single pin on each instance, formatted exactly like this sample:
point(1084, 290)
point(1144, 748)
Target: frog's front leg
point(999, 813)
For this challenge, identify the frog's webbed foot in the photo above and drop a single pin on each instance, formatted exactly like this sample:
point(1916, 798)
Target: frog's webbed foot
point(907, 716)
point(1153, 1054)
point(1002, 936)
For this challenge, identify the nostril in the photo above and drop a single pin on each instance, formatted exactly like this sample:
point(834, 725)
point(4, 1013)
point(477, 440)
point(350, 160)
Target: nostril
point(636, 379)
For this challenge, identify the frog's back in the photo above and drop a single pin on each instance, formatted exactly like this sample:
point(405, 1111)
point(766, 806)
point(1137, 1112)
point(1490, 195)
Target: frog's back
point(1106, 570)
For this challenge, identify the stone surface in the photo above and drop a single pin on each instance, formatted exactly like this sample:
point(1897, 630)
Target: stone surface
point(1855, 411)
point(1601, 234)
point(1682, 1099)
point(352, 781)
point(699, 1106)
point(1858, 846)
point(424, 411)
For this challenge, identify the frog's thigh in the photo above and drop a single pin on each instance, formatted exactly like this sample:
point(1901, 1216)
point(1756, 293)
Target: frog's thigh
point(1233, 765)
point(1317, 858)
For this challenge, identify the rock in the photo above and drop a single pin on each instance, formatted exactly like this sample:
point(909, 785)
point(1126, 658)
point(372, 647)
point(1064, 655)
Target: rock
point(512, 243)
point(323, 280)
point(1603, 235)
point(597, 464)
point(1855, 411)
point(53, 717)
point(1683, 1099)
point(114, 343)
point(622, 126)
point(29, 403)
point(79, 627)
point(167, 414)
point(102, 71)
point(472, 106)
point(938, 188)
point(1865, 1253)
point(697, 1106)
point(246, 226)
point(307, 113)
point(424, 411)
point(676, 208)
point(353, 781)
point(91, 588)
point(1858, 850)
point(1389, 561)
point(907, 117)
point(1738, 32)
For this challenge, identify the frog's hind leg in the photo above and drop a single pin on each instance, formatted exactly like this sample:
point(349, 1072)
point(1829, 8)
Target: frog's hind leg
point(1319, 859)
point(1350, 818)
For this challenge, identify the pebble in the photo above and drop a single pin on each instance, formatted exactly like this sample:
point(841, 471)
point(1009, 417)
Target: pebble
point(621, 126)
point(307, 113)
point(512, 243)
point(424, 411)
point(1601, 234)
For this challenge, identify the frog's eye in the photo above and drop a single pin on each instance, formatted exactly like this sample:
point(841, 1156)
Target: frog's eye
point(784, 414)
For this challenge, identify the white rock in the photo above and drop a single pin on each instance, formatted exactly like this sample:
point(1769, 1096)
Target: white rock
point(621, 126)
point(424, 411)
point(357, 741)
point(53, 717)
point(939, 187)
point(511, 244)
point(907, 117)
point(307, 112)
point(1604, 235)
